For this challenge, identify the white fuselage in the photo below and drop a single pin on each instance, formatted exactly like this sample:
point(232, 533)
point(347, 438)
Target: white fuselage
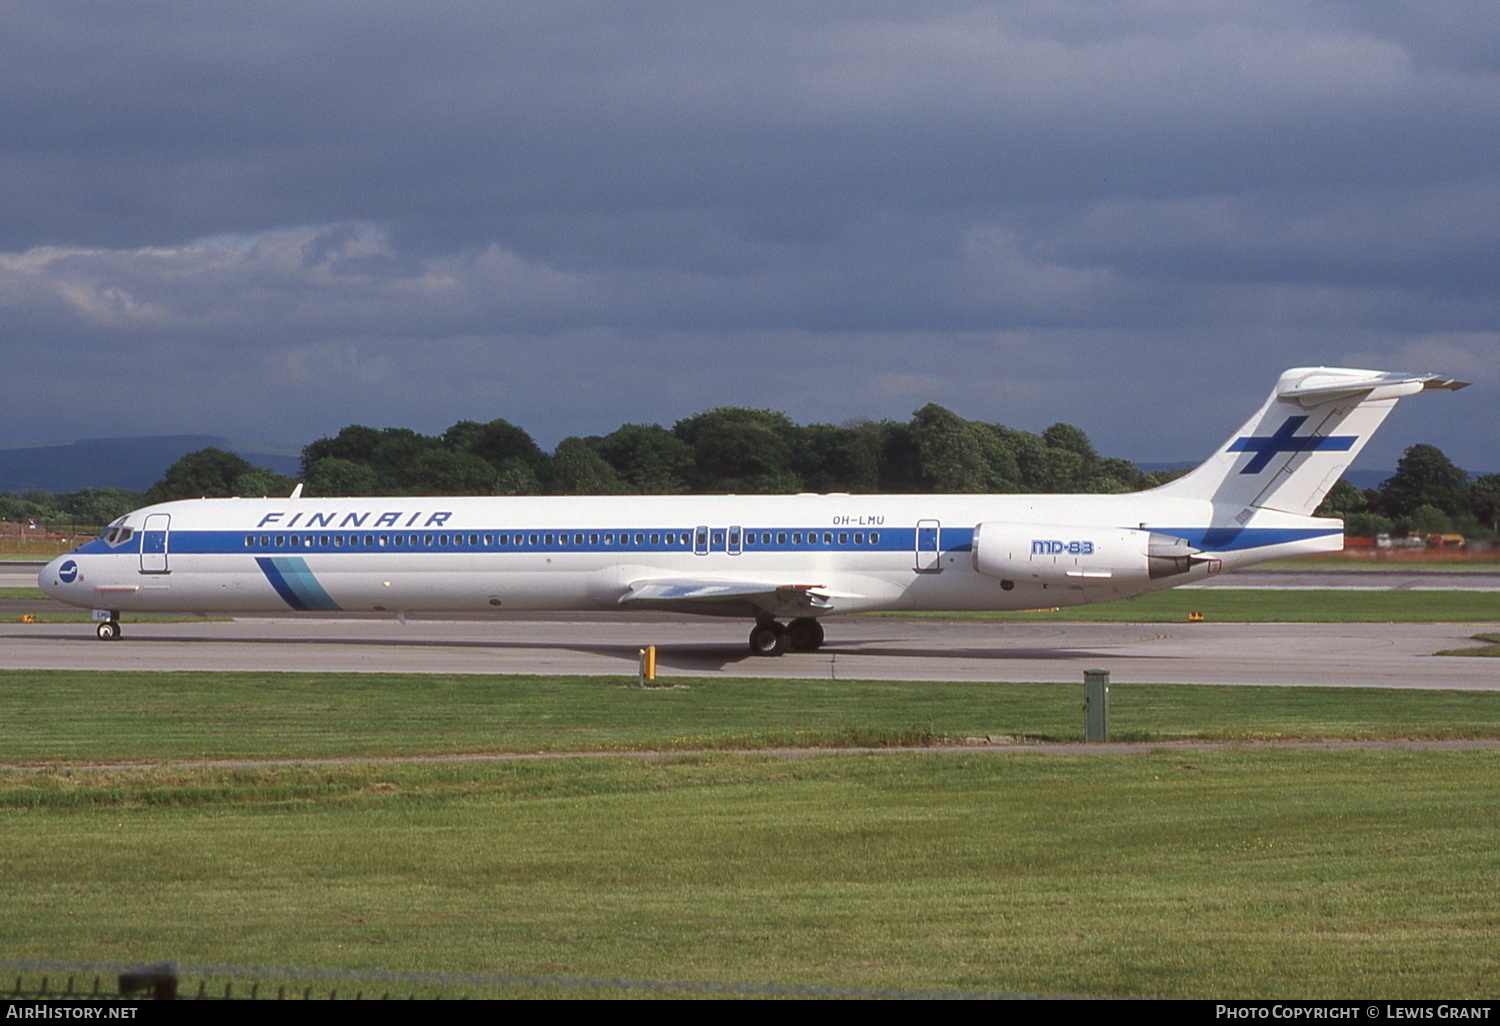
point(813, 554)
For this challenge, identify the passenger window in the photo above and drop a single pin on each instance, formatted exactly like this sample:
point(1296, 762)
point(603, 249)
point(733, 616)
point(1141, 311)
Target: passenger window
point(369, 539)
point(249, 540)
point(656, 539)
point(843, 538)
point(874, 538)
point(780, 537)
point(397, 540)
point(427, 540)
point(640, 539)
point(384, 541)
point(859, 538)
point(684, 537)
point(546, 539)
point(578, 539)
point(323, 541)
point(796, 537)
point(532, 539)
point(296, 540)
point(489, 540)
point(280, 540)
point(338, 541)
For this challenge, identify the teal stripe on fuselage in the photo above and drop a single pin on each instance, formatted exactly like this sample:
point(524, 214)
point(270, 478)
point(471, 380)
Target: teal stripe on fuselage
point(295, 583)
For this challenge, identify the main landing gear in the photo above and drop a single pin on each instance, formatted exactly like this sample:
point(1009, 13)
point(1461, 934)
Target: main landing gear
point(108, 630)
point(769, 638)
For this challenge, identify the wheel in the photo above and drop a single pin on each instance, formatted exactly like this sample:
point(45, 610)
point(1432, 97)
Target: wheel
point(109, 630)
point(768, 639)
point(805, 634)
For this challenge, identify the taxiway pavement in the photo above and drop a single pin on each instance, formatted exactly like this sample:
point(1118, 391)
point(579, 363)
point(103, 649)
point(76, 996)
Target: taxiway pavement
point(871, 648)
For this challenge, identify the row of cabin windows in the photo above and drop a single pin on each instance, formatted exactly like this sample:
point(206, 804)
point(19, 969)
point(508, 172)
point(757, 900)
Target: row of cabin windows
point(338, 541)
point(428, 540)
point(812, 538)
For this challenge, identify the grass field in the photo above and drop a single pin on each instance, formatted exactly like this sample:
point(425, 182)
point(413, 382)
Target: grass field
point(23, 549)
point(1285, 874)
point(1491, 650)
point(1239, 873)
point(103, 717)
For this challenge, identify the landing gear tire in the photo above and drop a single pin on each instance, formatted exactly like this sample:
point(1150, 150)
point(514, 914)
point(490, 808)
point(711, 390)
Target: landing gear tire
point(805, 634)
point(109, 630)
point(768, 639)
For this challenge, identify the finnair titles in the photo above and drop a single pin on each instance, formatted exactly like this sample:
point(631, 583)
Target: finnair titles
point(782, 561)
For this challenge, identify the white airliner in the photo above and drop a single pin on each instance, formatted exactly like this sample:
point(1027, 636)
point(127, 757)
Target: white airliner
point(771, 558)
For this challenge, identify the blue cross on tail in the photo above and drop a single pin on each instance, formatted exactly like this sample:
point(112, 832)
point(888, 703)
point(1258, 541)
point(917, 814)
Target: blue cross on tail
point(1267, 446)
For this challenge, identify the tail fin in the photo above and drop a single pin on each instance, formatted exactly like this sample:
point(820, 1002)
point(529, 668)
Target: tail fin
point(1293, 450)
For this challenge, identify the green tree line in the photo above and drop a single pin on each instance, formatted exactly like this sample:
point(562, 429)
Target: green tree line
point(724, 450)
point(1426, 495)
point(746, 451)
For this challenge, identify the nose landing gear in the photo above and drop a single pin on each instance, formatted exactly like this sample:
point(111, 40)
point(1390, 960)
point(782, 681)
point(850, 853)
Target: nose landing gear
point(769, 638)
point(109, 624)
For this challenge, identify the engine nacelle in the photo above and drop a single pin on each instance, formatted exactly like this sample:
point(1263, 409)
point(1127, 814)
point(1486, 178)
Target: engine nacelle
point(1053, 553)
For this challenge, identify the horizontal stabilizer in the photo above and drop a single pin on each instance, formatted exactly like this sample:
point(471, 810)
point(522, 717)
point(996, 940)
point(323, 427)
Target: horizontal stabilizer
point(1328, 384)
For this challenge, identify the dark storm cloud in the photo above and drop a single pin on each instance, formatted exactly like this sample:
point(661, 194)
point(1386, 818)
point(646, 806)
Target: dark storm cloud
point(276, 219)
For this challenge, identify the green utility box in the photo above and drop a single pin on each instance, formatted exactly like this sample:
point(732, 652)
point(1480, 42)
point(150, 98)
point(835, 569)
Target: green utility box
point(1096, 705)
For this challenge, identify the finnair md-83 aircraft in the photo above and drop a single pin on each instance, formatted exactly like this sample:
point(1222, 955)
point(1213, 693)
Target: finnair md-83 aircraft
point(770, 558)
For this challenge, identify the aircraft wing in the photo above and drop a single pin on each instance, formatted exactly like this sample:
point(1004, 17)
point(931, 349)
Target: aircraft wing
point(728, 598)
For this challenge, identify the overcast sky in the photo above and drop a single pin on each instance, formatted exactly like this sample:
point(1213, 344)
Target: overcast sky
point(269, 220)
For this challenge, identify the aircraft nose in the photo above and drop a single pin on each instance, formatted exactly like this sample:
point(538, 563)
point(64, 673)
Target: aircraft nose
point(57, 575)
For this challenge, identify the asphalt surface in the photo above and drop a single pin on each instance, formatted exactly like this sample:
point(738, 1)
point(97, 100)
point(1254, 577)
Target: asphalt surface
point(1349, 655)
point(880, 648)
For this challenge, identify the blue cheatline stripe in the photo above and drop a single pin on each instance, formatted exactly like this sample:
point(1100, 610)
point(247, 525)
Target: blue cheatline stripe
point(1235, 539)
point(295, 583)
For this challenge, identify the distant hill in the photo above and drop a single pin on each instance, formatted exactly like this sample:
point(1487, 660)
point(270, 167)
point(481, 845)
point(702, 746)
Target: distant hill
point(135, 463)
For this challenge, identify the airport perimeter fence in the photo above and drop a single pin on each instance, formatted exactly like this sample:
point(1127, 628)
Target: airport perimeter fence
point(111, 981)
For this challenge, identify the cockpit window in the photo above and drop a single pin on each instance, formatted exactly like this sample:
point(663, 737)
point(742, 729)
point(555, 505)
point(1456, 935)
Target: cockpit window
point(116, 534)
